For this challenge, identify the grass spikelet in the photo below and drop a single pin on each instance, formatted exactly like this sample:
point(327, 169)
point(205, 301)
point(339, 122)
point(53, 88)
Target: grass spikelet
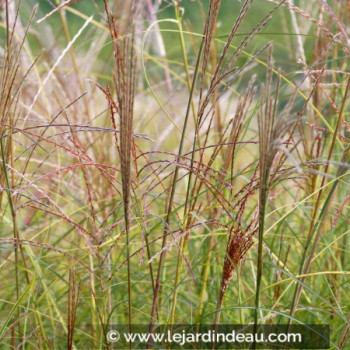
point(269, 136)
point(124, 79)
point(239, 242)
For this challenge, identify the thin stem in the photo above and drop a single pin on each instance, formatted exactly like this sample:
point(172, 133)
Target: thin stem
point(262, 209)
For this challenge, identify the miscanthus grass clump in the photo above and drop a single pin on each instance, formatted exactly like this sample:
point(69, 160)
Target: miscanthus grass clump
point(168, 162)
